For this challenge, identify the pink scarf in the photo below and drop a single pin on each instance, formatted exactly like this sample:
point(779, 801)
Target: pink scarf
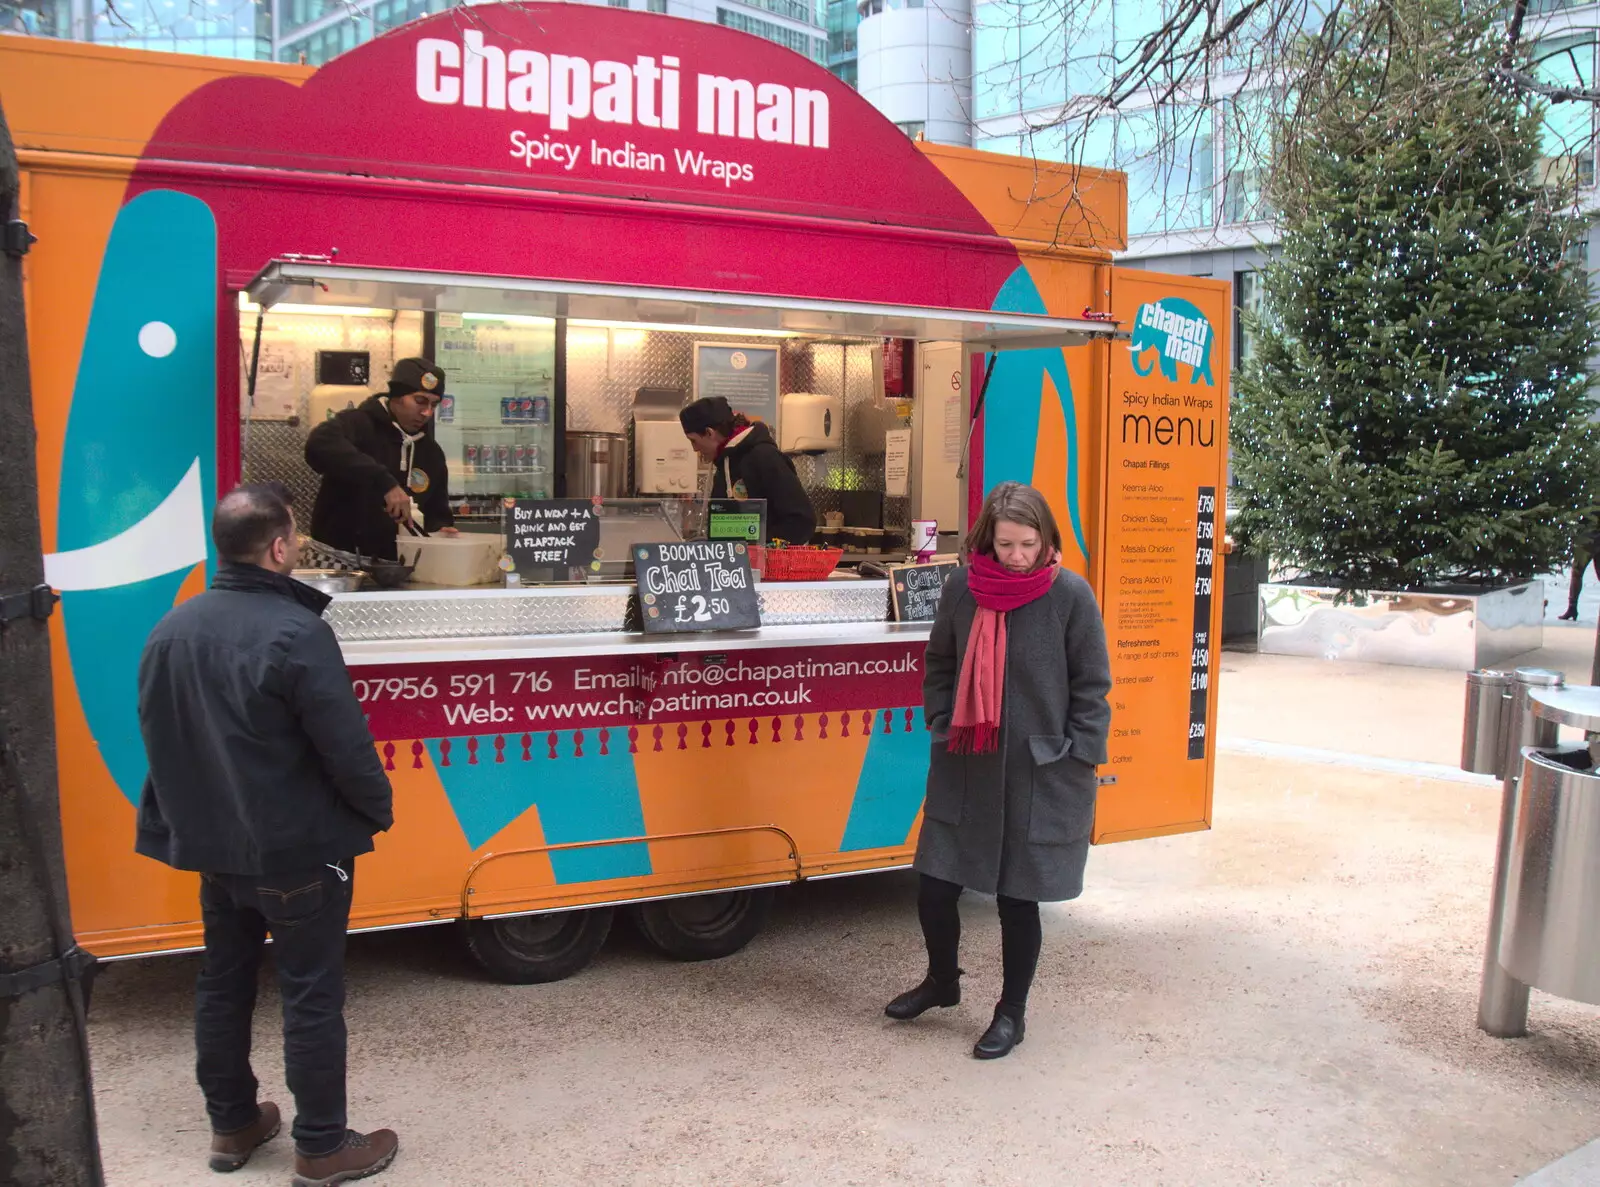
point(975, 721)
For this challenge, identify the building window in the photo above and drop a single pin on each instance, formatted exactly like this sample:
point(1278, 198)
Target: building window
point(658, 5)
point(1247, 157)
point(1167, 154)
point(803, 11)
point(1247, 299)
point(912, 128)
point(227, 28)
point(1566, 152)
point(38, 18)
point(617, 3)
point(815, 48)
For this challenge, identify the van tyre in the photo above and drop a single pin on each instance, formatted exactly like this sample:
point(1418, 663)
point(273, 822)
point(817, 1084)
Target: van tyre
point(704, 926)
point(532, 949)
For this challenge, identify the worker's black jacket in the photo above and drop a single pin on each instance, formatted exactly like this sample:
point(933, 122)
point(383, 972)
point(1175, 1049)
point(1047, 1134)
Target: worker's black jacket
point(752, 468)
point(261, 761)
point(358, 453)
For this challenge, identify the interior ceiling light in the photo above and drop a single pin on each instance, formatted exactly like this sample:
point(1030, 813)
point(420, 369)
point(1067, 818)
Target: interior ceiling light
point(681, 328)
point(246, 305)
point(515, 319)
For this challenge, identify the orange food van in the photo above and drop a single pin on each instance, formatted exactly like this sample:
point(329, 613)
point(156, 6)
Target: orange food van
point(589, 215)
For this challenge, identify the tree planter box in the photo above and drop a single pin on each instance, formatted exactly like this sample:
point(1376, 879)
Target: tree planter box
point(1463, 628)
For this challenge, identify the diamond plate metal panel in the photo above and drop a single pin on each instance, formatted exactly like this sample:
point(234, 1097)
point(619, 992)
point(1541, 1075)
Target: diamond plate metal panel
point(416, 615)
point(491, 614)
point(804, 604)
point(274, 450)
point(604, 371)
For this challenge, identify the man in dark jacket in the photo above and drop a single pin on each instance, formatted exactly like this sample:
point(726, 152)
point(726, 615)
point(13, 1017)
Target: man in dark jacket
point(749, 466)
point(264, 779)
point(375, 459)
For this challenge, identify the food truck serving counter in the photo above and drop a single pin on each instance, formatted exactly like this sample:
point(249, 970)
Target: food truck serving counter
point(231, 253)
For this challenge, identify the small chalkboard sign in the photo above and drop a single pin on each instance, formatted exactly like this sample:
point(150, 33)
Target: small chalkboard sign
point(553, 539)
point(699, 585)
point(915, 589)
point(737, 519)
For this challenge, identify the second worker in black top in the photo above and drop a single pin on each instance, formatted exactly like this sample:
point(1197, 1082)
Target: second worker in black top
point(750, 466)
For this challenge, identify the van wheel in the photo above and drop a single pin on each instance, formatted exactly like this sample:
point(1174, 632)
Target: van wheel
point(528, 949)
point(704, 926)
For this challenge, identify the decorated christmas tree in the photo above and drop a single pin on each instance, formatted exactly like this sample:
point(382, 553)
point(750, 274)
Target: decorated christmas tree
point(1416, 411)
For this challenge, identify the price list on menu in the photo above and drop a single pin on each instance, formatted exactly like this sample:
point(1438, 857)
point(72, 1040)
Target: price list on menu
point(1205, 552)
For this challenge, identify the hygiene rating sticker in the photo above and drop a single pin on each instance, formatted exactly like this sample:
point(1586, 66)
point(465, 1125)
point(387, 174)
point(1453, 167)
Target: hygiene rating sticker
point(1205, 552)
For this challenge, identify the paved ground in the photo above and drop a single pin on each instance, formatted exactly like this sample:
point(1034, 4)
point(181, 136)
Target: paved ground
point(1288, 999)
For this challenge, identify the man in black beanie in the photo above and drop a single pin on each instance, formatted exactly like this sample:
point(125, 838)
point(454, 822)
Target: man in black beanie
point(375, 459)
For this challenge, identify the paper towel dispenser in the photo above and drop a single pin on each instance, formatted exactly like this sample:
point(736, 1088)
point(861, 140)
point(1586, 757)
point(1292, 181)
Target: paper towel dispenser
point(809, 423)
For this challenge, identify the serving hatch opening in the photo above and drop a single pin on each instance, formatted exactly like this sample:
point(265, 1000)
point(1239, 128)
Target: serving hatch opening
point(307, 283)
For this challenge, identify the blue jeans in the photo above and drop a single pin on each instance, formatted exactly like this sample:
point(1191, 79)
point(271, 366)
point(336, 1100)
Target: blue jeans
point(307, 915)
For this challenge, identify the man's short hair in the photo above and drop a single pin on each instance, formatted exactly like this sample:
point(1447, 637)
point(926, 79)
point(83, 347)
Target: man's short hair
point(249, 518)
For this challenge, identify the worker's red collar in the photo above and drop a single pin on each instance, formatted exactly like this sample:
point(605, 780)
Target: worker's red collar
point(734, 440)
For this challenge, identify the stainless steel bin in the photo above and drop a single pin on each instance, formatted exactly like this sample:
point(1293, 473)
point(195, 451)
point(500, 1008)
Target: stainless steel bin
point(1551, 935)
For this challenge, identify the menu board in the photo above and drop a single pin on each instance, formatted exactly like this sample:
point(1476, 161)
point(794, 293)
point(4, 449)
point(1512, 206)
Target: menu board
point(737, 519)
point(699, 585)
point(1166, 452)
point(915, 590)
point(553, 539)
point(745, 376)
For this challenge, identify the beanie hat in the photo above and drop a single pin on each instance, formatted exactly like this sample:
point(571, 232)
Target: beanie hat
point(703, 414)
point(416, 375)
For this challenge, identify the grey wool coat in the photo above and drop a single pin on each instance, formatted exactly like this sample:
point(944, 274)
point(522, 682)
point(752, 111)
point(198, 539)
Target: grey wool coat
point(1017, 821)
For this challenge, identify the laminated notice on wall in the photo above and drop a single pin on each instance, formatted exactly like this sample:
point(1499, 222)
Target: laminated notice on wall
point(897, 463)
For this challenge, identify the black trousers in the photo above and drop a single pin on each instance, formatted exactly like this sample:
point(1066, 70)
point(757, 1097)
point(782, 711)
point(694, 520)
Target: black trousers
point(308, 915)
point(1020, 938)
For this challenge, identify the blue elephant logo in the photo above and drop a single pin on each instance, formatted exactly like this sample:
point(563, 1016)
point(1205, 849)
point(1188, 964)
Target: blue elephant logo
point(1178, 333)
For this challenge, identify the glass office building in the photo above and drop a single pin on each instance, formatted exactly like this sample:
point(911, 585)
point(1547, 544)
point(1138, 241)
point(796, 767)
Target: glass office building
point(1196, 171)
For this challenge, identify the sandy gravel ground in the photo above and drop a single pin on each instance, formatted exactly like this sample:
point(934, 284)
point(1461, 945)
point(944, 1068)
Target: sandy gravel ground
point(1288, 999)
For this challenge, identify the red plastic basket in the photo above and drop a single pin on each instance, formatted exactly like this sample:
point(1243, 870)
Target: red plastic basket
point(794, 564)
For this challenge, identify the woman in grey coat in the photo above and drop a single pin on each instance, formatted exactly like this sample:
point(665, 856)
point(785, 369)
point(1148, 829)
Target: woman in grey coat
point(1015, 697)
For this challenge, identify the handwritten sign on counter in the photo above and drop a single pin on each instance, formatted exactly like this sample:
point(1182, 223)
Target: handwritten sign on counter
point(915, 589)
point(699, 585)
point(552, 539)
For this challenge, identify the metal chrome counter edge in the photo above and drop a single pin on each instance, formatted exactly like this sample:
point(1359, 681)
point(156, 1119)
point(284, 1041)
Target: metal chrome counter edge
point(516, 613)
point(387, 651)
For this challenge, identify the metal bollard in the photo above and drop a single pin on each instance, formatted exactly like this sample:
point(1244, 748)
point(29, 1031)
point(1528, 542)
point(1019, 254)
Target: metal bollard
point(1483, 732)
point(1502, 999)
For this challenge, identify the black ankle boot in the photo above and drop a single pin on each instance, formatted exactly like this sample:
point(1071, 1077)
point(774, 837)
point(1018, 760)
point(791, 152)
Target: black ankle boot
point(1004, 1033)
point(1570, 616)
point(918, 1001)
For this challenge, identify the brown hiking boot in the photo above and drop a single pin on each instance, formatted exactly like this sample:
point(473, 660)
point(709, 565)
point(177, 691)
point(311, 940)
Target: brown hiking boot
point(361, 1155)
point(230, 1151)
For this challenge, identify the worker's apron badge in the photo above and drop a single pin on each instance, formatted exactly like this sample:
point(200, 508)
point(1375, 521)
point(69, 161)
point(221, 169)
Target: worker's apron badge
point(419, 481)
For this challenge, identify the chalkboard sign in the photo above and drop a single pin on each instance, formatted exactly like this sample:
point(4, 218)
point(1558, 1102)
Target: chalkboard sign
point(915, 589)
point(737, 519)
point(700, 585)
point(553, 539)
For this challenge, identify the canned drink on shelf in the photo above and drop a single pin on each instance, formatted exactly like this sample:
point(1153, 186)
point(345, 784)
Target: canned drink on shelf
point(447, 410)
point(502, 458)
point(474, 452)
point(519, 457)
point(507, 410)
point(541, 410)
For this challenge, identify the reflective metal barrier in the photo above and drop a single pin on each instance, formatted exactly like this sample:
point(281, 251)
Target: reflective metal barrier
point(1502, 999)
point(1551, 934)
point(1483, 734)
